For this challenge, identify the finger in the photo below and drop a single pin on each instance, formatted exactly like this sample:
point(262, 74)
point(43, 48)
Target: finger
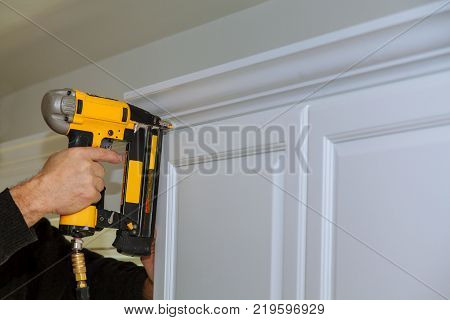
point(98, 197)
point(98, 169)
point(102, 155)
point(153, 244)
point(99, 184)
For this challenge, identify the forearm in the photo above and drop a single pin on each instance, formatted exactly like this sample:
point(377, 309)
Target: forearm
point(14, 231)
point(27, 196)
point(20, 208)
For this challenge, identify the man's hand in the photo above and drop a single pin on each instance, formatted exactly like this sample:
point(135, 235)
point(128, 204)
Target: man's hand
point(149, 265)
point(70, 181)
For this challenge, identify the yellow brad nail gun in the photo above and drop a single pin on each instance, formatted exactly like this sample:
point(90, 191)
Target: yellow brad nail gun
point(93, 121)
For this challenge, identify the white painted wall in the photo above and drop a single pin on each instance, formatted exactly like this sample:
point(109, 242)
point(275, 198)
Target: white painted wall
point(270, 25)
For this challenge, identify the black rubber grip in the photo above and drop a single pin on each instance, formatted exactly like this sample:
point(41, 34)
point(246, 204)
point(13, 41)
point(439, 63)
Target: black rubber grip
point(131, 245)
point(79, 138)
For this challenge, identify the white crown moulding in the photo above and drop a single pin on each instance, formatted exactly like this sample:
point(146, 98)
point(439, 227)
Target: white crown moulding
point(408, 45)
point(404, 45)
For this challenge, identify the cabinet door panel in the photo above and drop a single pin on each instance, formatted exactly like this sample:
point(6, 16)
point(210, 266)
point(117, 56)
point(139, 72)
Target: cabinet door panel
point(224, 236)
point(378, 222)
point(230, 232)
point(394, 197)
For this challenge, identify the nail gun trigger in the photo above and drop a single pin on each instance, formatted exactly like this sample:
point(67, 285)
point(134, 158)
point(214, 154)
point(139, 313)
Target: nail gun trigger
point(107, 219)
point(111, 218)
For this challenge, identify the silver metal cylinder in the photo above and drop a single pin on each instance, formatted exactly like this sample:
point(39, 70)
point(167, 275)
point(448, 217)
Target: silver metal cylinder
point(58, 109)
point(77, 244)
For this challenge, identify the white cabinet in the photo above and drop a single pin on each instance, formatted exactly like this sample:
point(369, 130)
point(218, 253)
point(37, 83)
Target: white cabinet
point(376, 215)
point(368, 217)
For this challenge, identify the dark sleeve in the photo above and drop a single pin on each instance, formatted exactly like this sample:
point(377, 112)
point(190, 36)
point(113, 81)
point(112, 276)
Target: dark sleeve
point(14, 232)
point(112, 279)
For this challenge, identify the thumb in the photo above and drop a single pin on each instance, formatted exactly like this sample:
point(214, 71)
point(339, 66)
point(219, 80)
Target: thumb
point(102, 155)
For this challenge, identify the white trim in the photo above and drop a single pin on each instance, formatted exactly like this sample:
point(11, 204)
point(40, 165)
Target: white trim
point(327, 232)
point(303, 210)
point(292, 72)
point(170, 235)
point(339, 35)
point(277, 239)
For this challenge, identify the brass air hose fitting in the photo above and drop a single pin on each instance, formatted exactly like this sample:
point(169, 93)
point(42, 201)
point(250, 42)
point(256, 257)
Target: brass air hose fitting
point(79, 269)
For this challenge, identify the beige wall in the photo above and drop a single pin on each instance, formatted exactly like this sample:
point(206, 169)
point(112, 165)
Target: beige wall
point(264, 27)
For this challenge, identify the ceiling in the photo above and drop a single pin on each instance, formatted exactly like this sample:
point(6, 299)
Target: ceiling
point(96, 28)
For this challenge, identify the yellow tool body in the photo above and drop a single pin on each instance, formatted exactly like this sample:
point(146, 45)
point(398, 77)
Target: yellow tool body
point(104, 118)
point(92, 121)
